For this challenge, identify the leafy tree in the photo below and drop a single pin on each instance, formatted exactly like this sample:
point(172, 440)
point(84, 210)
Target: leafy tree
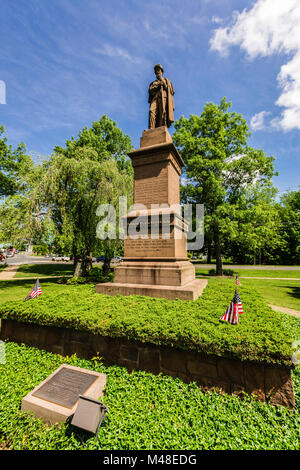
point(220, 165)
point(105, 138)
point(289, 209)
point(257, 236)
point(14, 164)
point(91, 170)
point(23, 220)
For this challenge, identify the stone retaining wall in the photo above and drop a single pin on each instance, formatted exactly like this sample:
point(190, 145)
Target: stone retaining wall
point(268, 382)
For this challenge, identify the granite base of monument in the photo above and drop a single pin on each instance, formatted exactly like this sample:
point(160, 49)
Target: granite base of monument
point(190, 291)
point(55, 399)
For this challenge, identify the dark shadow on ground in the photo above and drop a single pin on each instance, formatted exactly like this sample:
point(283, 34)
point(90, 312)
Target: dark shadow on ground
point(26, 282)
point(294, 291)
point(45, 269)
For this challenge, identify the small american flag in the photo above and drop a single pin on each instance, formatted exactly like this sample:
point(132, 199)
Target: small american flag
point(237, 281)
point(239, 303)
point(232, 312)
point(36, 291)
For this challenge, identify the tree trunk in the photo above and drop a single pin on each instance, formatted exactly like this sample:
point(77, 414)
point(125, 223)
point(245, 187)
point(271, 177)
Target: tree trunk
point(219, 267)
point(88, 264)
point(106, 266)
point(78, 267)
point(209, 253)
point(82, 266)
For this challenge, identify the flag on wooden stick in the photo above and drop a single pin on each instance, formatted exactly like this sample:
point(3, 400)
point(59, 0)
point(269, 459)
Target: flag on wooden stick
point(36, 291)
point(232, 312)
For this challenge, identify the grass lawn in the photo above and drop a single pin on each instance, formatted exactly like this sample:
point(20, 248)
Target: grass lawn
point(256, 272)
point(281, 293)
point(19, 289)
point(44, 270)
point(145, 412)
point(284, 293)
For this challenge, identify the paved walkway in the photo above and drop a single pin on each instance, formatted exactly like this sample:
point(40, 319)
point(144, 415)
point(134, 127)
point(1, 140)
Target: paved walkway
point(8, 273)
point(290, 311)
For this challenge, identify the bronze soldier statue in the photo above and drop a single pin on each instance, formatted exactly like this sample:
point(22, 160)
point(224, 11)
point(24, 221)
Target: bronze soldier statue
point(161, 91)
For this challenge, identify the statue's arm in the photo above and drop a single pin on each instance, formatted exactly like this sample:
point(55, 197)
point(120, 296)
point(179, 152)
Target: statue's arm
point(153, 88)
point(170, 86)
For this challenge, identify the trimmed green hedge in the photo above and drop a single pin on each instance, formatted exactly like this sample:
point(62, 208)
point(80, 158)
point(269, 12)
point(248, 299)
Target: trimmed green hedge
point(145, 412)
point(262, 335)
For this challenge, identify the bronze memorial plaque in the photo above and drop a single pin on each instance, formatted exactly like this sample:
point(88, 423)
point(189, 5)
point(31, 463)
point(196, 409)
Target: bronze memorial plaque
point(65, 387)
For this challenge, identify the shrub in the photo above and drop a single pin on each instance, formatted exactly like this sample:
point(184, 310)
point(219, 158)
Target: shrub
point(75, 280)
point(226, 272)
point(262, 334)
point(96, 275)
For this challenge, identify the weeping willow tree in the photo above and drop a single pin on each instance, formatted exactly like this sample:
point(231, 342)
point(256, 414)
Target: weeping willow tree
point(23, 218)
point(90, 171)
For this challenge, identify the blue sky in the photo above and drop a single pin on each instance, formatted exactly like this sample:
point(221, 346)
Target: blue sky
point(65, 63)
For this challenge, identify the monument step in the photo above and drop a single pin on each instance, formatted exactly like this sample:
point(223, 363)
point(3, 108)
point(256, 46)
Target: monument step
point(190, 291)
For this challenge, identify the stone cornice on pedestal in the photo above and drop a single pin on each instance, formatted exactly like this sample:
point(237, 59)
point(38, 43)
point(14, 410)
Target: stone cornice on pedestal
point(167, 147)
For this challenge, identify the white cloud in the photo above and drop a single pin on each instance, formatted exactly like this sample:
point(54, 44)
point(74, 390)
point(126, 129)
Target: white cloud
point(201, 20)
point(2, 92)
point(217, 20)
point(257, 122)
point(270, 27)
point(112, 51)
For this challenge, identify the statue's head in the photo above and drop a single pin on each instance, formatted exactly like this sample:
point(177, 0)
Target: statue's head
point(158, 69)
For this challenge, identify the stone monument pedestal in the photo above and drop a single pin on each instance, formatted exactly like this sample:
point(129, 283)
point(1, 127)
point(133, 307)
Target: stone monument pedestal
point(155, 261)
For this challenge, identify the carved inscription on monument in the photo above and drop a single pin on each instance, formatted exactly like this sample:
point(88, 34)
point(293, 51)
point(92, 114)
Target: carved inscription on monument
point(148, 248)
point(151, 185)
point(65, 387)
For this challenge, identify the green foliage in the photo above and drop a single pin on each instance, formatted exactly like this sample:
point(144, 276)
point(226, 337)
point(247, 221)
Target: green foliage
point(220, 167)
point(105, 138)
point(76, 280)
point(289, 210)
point(96, 275)
point(90, 171)
point(14, 163)
point(258, 237)
point(226, 272)
point(41, 250)
point(145, 412)
point(262, 335)
point(23, 218)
